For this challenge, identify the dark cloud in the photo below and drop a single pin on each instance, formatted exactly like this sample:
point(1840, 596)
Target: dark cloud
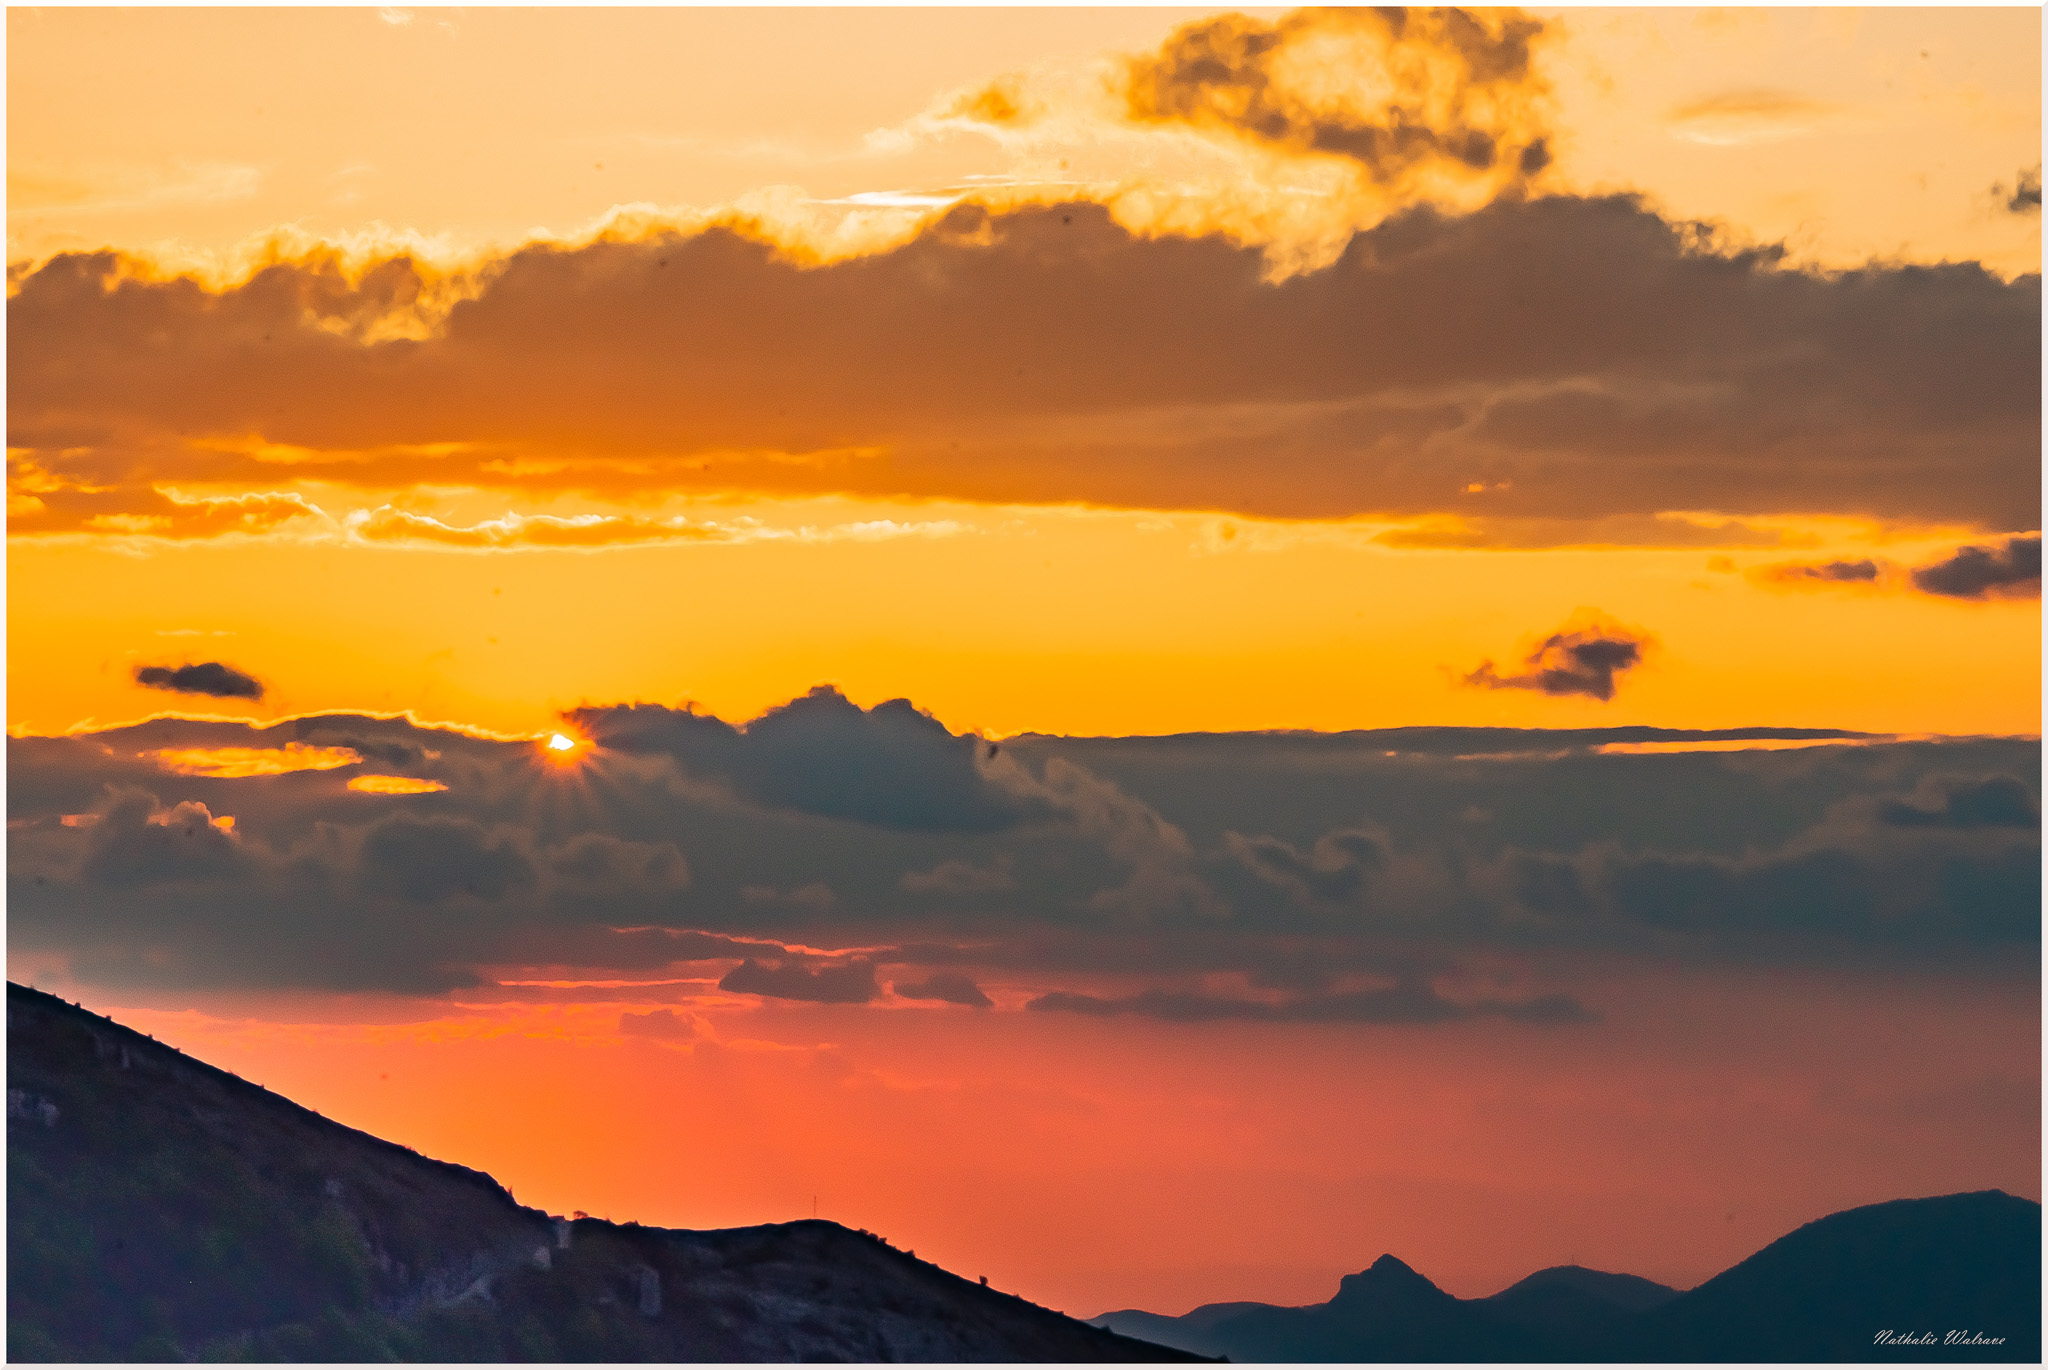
point(1527, 345)
point(851, 982)
point(1957, 898)
point(1547, 884)
point(605, 864)
point(892, 766)
point(138, 842)
point(1999, 801)
point(1706, 854)
point(958, 877)
point(1861, 572)
point(948, 987)
point(207, 678)
point(1570, 662)
point(2024, 196)
point(1402, 1002)
point(1952, 865)
point(391, 753)
point(424, 860)
point(1977, 572)
point(1471, 114)
point(1334, 870)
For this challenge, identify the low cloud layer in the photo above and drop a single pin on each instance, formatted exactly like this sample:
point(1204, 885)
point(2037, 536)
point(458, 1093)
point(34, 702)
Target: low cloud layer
point(851, 982)
point(869, 857)
point(948, 987)
point(2001, 801)
point(1409, 1002)
point(211, 678)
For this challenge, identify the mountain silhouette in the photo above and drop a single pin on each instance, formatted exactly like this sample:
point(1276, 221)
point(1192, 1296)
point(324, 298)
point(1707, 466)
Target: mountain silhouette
point(159, 1208)
point(1579, 1310)
point(1918, 1269)
point(1385, 1312)
point(1968, 1263)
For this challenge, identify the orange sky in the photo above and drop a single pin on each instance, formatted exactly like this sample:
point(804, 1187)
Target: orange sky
point(1010, 620)
point(995, 617)
point(1772, 124)
point(1099, 373)
point(1855, 133)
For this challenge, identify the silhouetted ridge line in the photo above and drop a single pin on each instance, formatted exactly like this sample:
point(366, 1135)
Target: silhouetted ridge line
point(163, 1209)
point(1962, 1271)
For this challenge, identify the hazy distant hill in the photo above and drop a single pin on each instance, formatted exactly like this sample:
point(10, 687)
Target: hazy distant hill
point(161, 1209)
point(1968, 1263)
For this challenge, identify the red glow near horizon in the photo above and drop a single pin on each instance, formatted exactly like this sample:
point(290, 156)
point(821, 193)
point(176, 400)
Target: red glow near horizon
point(1093, 1164)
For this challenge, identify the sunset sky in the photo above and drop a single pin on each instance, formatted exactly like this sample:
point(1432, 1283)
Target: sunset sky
point(1036, 536)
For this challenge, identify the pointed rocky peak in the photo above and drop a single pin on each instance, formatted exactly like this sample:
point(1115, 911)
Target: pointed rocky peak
point(1389, 1277)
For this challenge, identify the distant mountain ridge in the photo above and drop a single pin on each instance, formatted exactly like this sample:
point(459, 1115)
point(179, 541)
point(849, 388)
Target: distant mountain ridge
point(162, 1209)
point(1956, 1278)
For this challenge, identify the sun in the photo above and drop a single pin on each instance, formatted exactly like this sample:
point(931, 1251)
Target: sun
point(564, 749)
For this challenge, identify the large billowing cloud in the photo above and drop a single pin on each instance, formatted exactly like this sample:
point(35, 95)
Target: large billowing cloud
point(1541, 362)
point(892, 765)
point(823, 852)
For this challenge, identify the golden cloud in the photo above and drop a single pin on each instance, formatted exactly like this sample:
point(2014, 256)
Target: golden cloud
point(1513, 370)
point(240, 763)
point(394, 784)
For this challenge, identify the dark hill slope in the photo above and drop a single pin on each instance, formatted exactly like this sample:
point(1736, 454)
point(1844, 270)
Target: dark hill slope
point(159, 1208)
point(1969, 1263)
